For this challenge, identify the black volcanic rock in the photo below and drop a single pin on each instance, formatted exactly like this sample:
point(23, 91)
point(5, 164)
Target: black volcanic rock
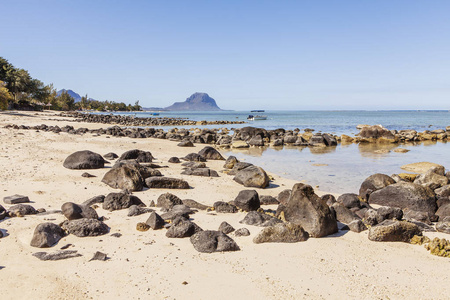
point(198, 101)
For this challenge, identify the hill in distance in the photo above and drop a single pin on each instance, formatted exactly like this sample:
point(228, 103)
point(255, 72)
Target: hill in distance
point(196, 102)
point(71, 93)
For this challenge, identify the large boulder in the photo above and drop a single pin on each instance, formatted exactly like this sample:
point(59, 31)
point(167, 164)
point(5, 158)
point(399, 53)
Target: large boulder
point(210, 241)
point(181, 228)
point(74, 211)
point(85, 227)
point(343, 214)
point(431, 180)
point(283, 196)
point(84, 160)
point(349, 200)
point(168, 200)
point(166, 183)
point(138, 155)
point(224, 207)
point(230, 162)
point(247, 200)
point(117, 201)
point(211, 153)
point(393, 231)
point(374, 183)
point(194, 157)
point(443, 192)
point(155, 221)
point(405, 195)
point(281, 233)
point(308, 210)
point(124, 177)
point(375, 132)
point(252, 176)
point(46, 235)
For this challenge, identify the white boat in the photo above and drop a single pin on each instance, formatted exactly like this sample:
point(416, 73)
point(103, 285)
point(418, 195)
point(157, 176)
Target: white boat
point(257, 117)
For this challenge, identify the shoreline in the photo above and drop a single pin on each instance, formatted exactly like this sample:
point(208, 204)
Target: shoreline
point(145, 264)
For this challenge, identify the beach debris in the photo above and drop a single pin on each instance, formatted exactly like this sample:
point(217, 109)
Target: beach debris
point(252, 176)
point(46, 235)
point(247, 200)
point(210, 241)
point(142, 226)
point(85, 227)
point(122, 200)
point(374, 183)
point(58, 255)
point(439, 247)
point(99, 256)
point(84, 160)
point(16, 199)
point(393, 231)
point(74, 211)
point(307, 209)
point(226, 228)
point(281, 233)
point(181, 228)
point(66, 246)
point(256, 218)
point(166, 183)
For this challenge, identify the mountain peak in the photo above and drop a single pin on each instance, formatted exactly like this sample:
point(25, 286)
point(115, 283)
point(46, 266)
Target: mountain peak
point(197, 101)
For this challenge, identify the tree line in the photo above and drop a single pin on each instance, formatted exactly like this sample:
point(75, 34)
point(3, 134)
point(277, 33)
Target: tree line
point(18, 90)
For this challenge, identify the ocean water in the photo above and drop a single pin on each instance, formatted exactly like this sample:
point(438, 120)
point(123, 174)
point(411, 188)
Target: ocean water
point(339, 169)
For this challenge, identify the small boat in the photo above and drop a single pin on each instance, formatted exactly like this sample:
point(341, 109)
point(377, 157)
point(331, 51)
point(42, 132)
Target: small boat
point(154, 114)
point(257, 110)
point(257, 117)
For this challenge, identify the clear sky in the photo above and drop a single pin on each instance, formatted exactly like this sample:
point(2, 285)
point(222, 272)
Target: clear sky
point(341, 54)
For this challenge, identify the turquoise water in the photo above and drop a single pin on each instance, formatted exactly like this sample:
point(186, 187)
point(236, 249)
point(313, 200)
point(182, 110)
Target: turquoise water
point(340, 169)
point(337, 122)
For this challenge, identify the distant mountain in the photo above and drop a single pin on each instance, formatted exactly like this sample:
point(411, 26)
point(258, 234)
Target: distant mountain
point(71, 93)
point(198, 101)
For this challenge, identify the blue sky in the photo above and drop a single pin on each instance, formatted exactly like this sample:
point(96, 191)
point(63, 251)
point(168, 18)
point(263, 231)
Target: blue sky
point(245, 54)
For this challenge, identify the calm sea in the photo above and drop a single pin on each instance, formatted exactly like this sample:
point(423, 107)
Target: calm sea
point(338, 169)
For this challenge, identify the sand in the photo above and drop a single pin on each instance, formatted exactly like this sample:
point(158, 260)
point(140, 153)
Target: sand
point(144, 265)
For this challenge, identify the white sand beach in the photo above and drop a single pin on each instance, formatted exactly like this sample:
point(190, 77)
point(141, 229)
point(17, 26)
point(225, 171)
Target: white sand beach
point(148, 265)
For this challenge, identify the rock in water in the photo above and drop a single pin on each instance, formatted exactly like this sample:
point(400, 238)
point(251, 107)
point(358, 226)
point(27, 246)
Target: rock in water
point(281, 233)
point(210, 153)
point(166, 183)
point(252, 176)
point(374, 183)
point(46, 235)
point(85, 227)
point(84, 160)
point(308, 210)
point(124, 177)
point(210, 241)
point(393, 231)
point(405, 195)
point(420, 167)
point(247, 200)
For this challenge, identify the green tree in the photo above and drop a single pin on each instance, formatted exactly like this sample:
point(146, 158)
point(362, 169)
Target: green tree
point(5, 96)
point(65, 101)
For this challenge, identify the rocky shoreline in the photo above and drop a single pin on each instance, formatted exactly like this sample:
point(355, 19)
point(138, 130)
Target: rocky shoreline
point(137, 121)
point(127, 209)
